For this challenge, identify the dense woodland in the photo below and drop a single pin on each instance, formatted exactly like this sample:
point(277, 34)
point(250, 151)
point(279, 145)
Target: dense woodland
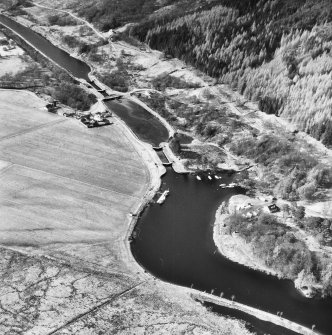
point(275, 52)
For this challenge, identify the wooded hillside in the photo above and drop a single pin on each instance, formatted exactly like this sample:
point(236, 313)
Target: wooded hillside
point(276, 52)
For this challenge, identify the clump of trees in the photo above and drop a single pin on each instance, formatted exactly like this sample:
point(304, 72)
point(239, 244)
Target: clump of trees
point(61, 20)
point(164, 81)
point(74, 96)
point(119, 78)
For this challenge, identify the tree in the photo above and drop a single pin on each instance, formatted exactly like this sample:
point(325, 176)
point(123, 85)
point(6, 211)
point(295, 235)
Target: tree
point(307, 190)
point(286, 209)
point(298, 212)
point(267, 219)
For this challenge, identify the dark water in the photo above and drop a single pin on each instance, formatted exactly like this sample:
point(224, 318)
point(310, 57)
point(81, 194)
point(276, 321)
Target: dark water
point(146, 126)
point(174, 242)
point(76, 67)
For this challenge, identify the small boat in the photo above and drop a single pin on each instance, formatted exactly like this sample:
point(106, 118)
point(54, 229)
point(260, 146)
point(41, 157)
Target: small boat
point(162, 198)
point(231, 185)
point(217, 177)
point(210, 178)
point(198, 178)
point(223, 185)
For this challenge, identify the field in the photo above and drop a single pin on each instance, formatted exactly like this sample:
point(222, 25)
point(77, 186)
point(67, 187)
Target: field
point(64, 180)
point(65, 198)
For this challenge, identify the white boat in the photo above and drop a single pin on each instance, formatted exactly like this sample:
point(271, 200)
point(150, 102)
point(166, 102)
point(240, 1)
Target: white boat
point(162, 198)
point(223, 185)
point(210, 177)
point(231, 185)
point(198, 178)
point(217, 177)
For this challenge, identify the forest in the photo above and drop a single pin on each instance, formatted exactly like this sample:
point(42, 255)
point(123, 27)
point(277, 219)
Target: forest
point(275, 52)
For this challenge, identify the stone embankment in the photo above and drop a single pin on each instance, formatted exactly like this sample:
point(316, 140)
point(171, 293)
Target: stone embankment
point(257, 313)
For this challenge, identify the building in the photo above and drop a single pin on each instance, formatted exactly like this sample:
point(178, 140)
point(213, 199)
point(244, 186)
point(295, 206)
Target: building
point(273, 208)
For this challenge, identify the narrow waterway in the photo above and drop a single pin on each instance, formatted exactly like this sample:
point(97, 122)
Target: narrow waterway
point(76, 67)
point(174, 241)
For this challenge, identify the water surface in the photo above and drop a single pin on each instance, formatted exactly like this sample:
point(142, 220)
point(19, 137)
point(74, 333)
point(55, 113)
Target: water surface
point(145, 125)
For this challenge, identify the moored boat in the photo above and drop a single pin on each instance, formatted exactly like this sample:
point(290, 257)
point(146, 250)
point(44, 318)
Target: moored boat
point(162, 198)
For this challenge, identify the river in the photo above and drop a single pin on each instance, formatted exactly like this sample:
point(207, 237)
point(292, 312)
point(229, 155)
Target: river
point(174, 241)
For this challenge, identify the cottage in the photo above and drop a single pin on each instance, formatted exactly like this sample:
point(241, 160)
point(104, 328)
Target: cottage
point(273, 208)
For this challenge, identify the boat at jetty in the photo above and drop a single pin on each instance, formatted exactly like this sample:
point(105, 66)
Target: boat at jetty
point(162, 198)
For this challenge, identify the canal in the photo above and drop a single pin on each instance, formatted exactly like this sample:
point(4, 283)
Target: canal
point(146, 126)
